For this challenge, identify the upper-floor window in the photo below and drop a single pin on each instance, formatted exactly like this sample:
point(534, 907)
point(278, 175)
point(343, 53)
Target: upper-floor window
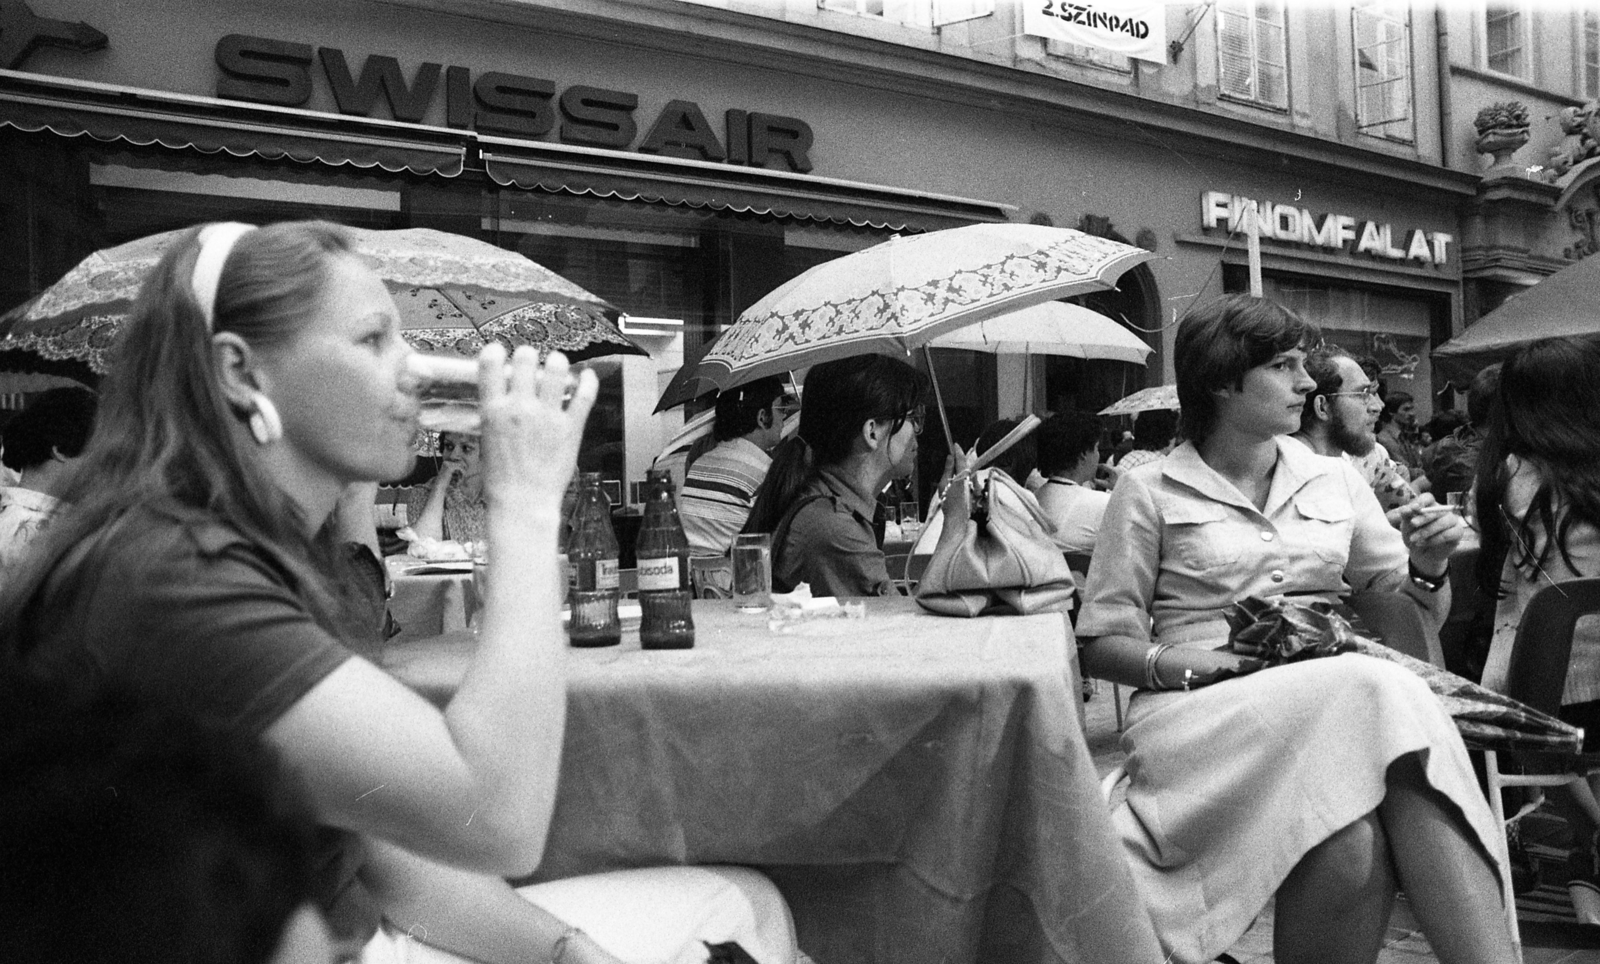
point(922, 13)
point(1591, 53)
point(1251, 54)
point(1093, 56)
point(1505, 33)
point(1381, 29)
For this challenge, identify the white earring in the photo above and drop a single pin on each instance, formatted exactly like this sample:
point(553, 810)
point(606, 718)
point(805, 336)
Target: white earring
point(265, 425)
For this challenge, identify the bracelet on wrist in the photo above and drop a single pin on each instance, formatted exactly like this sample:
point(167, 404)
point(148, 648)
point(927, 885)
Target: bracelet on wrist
point(558, 950)
point(1152, 676)
point(1425, 582)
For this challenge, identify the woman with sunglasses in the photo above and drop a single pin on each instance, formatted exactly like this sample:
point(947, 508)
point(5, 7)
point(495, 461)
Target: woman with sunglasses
point(1538, 507)
point(859, 423)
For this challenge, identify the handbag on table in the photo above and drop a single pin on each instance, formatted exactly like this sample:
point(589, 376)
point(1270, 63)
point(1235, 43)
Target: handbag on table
point(1004, 559)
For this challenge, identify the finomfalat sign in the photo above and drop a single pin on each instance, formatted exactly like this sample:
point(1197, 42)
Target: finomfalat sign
point(1337, 232)
point(1136, 30)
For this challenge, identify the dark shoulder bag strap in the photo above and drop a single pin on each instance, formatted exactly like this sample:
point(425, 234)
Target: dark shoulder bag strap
point(780, 532)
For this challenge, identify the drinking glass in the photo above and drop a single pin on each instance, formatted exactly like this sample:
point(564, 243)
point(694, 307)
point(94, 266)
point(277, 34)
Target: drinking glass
point(446, 387)
point(752, 572)
point(910, 521)
point(480, 582)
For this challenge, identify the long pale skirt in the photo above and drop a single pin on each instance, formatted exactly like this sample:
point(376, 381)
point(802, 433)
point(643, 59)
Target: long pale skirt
point(654, 915)
point(1230, 785)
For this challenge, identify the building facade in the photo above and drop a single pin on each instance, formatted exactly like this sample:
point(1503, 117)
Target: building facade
point(681, 158)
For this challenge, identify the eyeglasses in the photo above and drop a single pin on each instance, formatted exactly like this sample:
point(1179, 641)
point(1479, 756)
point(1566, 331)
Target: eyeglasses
point(917, 417)
point(1370, 391)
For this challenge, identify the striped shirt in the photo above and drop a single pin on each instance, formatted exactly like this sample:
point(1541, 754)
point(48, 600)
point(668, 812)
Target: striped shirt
point(718, 493)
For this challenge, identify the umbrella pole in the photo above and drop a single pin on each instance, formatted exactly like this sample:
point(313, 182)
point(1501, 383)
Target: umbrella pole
point(938, 396)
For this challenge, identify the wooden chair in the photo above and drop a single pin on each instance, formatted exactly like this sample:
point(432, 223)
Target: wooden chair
point(1537, 676)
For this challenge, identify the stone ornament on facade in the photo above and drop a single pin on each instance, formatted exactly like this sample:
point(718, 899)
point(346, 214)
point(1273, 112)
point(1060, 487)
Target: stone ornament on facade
point(1578, 128)
point(1502, 130)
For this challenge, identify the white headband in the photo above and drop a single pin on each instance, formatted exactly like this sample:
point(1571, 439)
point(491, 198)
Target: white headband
point(216, 243)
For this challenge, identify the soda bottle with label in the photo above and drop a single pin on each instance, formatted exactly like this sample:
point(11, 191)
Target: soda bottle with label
point(592, 554)
point(663, 553)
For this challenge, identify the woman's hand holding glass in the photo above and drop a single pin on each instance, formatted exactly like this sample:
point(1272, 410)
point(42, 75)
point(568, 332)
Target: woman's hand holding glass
point(1431, 532)
point(532, 426)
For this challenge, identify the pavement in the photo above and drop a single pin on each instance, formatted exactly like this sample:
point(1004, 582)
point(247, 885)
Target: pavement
point(1550, 935)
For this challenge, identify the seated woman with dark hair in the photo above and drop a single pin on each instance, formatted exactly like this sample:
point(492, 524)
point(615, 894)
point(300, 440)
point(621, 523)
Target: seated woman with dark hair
point(1538, 505)
point(859, 423)
point(1321, 785)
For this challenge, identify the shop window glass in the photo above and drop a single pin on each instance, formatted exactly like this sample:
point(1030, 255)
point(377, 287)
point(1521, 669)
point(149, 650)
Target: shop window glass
point(1383, 69)
point(1393, 329)
point(1506, 38)
point(692, 265)
point(1251, 52)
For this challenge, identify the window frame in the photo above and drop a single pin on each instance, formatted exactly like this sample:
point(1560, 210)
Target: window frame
point(1382, 11)
point(1249, 13)
point(1523, 11)
point(1588, 40)
point(927, 14)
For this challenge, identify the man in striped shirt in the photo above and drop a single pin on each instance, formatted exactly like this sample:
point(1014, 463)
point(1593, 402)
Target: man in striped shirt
point(720, 486)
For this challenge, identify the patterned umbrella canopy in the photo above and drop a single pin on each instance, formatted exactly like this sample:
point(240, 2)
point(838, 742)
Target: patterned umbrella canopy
point(1145, 399)
point(899, 295)
point(454, 293)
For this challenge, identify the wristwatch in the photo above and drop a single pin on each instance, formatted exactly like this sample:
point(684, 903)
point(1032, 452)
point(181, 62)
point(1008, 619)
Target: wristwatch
point(1428, 583)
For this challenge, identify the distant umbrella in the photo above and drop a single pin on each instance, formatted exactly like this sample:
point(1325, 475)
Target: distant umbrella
point(1144, 400)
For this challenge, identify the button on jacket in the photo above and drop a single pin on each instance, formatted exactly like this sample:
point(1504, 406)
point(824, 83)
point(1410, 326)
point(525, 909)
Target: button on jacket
point(1179, 543)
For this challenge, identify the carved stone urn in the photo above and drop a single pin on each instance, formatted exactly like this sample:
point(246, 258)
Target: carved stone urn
point(1502, 130)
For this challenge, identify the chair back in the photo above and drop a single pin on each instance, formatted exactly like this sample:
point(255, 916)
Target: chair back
point(1399, 624)
point(1543, 647)
point(711, 577)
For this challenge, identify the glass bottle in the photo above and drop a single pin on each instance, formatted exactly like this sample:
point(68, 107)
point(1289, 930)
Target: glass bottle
point(663, 560)
point(592, 554)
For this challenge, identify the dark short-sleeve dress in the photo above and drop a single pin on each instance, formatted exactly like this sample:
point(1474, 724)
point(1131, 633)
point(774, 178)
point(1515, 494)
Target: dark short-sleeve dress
point(170, 605)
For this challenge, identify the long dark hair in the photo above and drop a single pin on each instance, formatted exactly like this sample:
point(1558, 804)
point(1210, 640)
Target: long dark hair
point(1544, 414)
point(1219, 341)
point(839, 397)
point(166, 432)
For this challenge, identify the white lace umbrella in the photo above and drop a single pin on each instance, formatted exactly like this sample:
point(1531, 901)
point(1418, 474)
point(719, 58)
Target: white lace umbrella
point(899, 295)
point(1053, 328)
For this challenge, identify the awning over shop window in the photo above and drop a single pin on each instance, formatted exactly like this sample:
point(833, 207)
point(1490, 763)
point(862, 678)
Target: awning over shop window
point(724, 187)
point(108, 113)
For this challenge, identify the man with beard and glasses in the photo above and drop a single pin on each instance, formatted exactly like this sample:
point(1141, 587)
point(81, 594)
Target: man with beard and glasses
point(1339, 417)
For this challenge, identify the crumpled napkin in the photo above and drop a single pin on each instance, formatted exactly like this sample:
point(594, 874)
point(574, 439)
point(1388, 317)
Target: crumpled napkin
point(435, 550)
point(802, 602)
point(1278, 631)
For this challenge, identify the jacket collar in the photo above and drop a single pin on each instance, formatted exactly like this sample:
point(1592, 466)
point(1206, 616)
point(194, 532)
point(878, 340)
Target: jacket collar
point(1296, 466)
point(857, 502)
